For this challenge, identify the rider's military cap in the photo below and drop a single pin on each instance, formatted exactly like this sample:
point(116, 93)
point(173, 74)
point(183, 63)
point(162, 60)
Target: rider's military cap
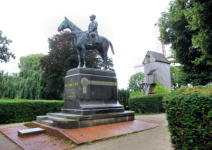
point(93, 16)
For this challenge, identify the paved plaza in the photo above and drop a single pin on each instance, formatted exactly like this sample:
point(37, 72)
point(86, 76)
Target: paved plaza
point(153, 139)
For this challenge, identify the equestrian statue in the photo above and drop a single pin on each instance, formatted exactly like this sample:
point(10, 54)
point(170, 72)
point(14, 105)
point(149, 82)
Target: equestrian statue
point(88, 40)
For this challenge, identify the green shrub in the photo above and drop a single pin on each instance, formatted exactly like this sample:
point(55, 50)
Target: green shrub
point(159, 89)
point(189, 117)
point(146, 104)
point(26, 110)
point(123, 97)
point(135, 94)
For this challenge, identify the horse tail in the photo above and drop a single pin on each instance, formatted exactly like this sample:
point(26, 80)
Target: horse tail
point(111, 46)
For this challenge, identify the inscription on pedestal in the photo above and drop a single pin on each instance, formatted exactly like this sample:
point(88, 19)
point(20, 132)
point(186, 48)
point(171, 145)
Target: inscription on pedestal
point(71, 87)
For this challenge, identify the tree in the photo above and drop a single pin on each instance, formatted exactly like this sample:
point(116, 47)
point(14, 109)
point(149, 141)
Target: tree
point(136, 82)
point(9, 85)
point(199, 16)
point(177, 29)
point(31, 81)
point(4, 50)
point(178, 77)
point(27, 84)
point(62, 57)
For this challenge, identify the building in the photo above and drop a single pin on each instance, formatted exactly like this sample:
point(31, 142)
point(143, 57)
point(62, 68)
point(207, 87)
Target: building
point(156, 69)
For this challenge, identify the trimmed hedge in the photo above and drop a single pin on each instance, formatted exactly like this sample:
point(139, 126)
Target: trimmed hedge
point(26, 110)
point(123, 97)
point(189, 117)
point(147, 104)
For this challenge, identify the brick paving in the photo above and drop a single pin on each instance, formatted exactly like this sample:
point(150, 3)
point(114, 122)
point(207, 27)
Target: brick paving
point(35, 142)
point(79, 136)
point(95, 133)
point(154, 139)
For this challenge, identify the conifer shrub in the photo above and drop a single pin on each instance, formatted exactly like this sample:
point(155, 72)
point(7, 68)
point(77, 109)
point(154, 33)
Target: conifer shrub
point(189, 116)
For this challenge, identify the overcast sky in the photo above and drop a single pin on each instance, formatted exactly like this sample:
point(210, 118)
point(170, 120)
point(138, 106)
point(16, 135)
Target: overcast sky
point(128, 24)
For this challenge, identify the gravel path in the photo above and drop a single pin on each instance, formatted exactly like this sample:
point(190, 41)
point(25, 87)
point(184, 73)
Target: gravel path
point(5, 142)
point(153, 139)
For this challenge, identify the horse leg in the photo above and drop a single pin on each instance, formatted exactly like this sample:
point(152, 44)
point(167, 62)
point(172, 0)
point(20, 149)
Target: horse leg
point(105, 47)
point(104, 58)
point(79, 59)
point(83, 55)
point(105, 61)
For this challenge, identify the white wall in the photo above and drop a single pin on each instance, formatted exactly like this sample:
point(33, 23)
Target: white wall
point(162, 72)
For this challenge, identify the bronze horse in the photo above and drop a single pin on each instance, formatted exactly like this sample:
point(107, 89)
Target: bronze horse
point(81, 43)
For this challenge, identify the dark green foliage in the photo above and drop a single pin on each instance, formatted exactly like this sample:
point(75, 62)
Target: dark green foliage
point(4, 50)
point(136, 82)
point(1, 82)
point(123, 97)
point(9, 85)
point(189, 114)
point(187, 27)
point(26, 110)
point(62, 57)
point(199, 16)
point(146, 104)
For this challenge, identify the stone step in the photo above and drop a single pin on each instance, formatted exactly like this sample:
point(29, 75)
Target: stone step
point(30, 131)
point(58, 122)
point(39, 118)
point(64, 115)
point(47, 122)
point(71, 121)
point(91, 117)
point(63, 122)
point(53, 118)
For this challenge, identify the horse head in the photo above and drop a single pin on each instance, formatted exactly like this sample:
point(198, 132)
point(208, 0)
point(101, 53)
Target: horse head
point(63, 25)
point(68, 24)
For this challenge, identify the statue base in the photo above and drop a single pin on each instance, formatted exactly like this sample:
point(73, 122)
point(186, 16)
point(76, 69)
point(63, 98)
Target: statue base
point(90, 99)
point(72, 121)
point(91, 91)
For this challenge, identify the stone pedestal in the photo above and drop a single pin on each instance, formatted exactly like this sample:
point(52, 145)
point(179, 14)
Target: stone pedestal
point(91, 91)
point(90, 99)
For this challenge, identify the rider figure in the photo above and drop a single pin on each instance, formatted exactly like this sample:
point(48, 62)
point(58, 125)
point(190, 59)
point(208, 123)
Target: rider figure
point(92, 30)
